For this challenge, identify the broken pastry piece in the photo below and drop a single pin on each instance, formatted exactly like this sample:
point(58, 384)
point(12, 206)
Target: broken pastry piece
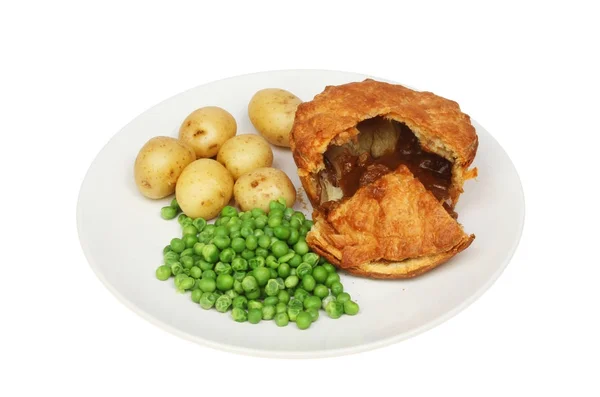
point(383, 167)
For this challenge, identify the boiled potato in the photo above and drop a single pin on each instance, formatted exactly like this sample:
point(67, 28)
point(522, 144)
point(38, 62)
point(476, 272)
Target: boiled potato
point(244, 153)
point(204, 188)
point(272, 113)
point(257, 188)
point(159, 164)
point(206, 129)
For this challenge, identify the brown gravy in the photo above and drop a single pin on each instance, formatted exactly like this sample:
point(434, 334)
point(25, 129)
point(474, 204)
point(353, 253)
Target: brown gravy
point(354, 171)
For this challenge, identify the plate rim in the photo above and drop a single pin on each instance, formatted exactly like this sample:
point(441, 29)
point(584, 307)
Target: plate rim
point(291, 353)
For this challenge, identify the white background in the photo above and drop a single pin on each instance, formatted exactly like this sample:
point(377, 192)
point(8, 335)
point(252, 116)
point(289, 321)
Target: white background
point(74, 73)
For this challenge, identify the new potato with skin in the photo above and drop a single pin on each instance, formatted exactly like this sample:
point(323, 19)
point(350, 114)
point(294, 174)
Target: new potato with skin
point(206, 130)
point(204, 188)
point(272, 112)
point(159, 164)
point(244, 153)
point(257, 188)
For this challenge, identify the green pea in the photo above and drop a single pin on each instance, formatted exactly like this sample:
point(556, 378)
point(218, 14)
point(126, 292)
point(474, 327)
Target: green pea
point(295, 223)
point(351, 308)
point(199, 224)
point(260, 222)
point(182, 218)
point(235, 234)
point(253, 304)
point(332, 278)
point(293, 312)
point(314, 314)
point(281, 232)
point(240, 302)
point(239, 264)
point(325, 301)
point(271, 300)
point(273, 222)
point(223, 268)
point(229, 211)
point(303, 320)
point(283, 270)
point(321, 291)
point(255, 262)
point(168, 213)
point(288, 212)
point(198, 248)
point(237, 286)
point(195, 272)
point(253, 294)
point(308, 224)
point(239, 276)
point(227, 255)
point(281, 307)
point(239, 315)
point(254, 316)
point(336, 288)
point(209, 274)
point(245, 215)
point(187, 262)
point(300, 294)
point(291, 281)
point(334, 309)
point(303, 269)
point(204, 265)
point(282, 319)
point(247, 254)
point(312, 302)
point(343, 297)
point(262, 252)
point(279, 249)
point(196, 295)
point(234, 226)
point(268, 231)
point(301, 247)
point(276, 213)
point(249, 223)
point(187, 252)
point(249, 284)
point(272, 262)
point(320, 274)
point(221, 242)
point(222, 304)
point(257, 233)
point(264, 241)
point(207, 284)
point(251, 242)
point(308, 282)
point(222, 221)
point(272, 288)
point(176, 268)
point(294, 237)
point(204, 237)
point(163, 272)
point(256, 212)
point(167, 249)
point(224, 282)
point(295, 261)
point(299, 215)
point(186, 283)
point(285, 222)
point(311, 258)
point(268, 312)
point(177, 245)
point(232, 294)
point(210, 253)
point(190, 229)
point(287, 257)
point(262, 275)
point(207, 300)
point(238, 244)
point(174, 204)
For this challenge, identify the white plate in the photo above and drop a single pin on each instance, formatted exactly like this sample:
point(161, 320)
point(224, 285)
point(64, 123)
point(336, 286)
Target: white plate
point(122, 236)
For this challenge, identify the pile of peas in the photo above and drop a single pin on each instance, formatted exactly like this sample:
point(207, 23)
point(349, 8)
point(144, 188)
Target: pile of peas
point(255, 264)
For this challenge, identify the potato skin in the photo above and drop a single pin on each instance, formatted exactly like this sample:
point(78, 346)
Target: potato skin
point(244, 153)
point(257, 188)
point(159, 164)
point(204, 188)
point(272, 112)
point(206, 129)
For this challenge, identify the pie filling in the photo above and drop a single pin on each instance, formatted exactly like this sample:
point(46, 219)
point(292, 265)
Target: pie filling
point(380, 147)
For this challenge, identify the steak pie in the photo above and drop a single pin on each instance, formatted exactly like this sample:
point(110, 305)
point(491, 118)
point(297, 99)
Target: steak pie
point(384, 167)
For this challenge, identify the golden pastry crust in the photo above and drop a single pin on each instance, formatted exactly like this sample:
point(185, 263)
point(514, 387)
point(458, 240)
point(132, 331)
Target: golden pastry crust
point(391, 228)
point(331, 118)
